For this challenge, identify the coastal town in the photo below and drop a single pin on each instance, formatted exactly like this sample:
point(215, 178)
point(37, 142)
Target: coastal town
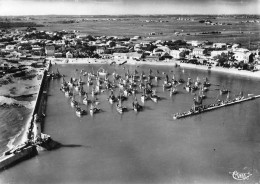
point(30, 61)
point(32, 47)
point(129, 91)
point(24, 51)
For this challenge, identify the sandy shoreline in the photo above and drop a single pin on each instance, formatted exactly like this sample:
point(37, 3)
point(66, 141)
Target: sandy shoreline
point(232, 71)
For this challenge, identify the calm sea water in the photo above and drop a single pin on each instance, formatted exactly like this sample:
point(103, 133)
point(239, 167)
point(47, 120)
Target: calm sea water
point(148, 147)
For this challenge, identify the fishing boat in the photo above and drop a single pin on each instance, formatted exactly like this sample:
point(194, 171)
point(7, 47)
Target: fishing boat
point(56, 75)
point(174, 81)
point(206, 82)
point(74, 103)
point(85, 100)
point(122, 96)
point(181, 81)
point(121, 86)
point(119, 107)
point(188, 85)
point(81, 92)
point(71, 83)
point(144, 96)
point(194, 88)
point(173, 91)
point(136, 106)
point(64, 83)
point(93, 109)
point(223, 91)
point(204, 88)
point(167, 85)
point(80, 111)
point(125, 81)
point(102, 72)
point(94, 91)
point(68, 93)
point(188, 88)
point(240, 96)
point(112, 98)
point(115, 75)
point(126, 92)
point(156, 78)
point(154, 97)
point(197, 83)
point(78, 88)
point(89, 82)
point(133, 91)
point(80, 81)
point(64, 89)
point(141, 85)
point(143, 76)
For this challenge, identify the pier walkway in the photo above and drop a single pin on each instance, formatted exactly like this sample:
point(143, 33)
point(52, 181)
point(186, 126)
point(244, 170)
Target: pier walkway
point(213, 107)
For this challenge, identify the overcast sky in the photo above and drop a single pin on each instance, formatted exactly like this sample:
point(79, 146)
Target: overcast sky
point(110, 7)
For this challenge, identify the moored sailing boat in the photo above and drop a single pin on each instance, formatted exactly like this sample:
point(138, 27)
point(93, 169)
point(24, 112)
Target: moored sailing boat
point(86, 100)
point(166, 83)
point(80, 111)
point(136, 106)
point(119, 107)
point(173, 91)
point(74, 103)
point(154, 97)
point(93, 109)
point(102, 72)
point(144, 96)
point(223, 91)
point(112, 98)
point(71, 83)
point(68, 93)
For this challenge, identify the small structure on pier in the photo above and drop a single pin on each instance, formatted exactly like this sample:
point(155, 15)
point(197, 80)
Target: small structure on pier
point(197, 103)
point(37, 127)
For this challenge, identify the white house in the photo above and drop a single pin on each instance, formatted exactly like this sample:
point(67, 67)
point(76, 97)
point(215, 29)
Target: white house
point(195, 43)
point(218, 52)
point(129, 55)
point(198, 52)
point(69, 55)
point(243, 56)
point(161, 50)
point(101, 49)
point(175, 54)
point(220, 45)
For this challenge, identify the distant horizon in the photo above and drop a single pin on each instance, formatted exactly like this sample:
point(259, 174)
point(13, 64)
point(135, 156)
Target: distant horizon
point(132, 15)
point(127, 7)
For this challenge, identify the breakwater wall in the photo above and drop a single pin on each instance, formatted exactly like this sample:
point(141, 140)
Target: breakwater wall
point(27, 148)
point(215, 106)
point(40, 105)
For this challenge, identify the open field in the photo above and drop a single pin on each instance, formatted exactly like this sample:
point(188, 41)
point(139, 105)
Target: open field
point(234, 29)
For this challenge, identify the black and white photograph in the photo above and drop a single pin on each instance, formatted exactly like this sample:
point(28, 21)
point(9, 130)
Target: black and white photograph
point(129, 91)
